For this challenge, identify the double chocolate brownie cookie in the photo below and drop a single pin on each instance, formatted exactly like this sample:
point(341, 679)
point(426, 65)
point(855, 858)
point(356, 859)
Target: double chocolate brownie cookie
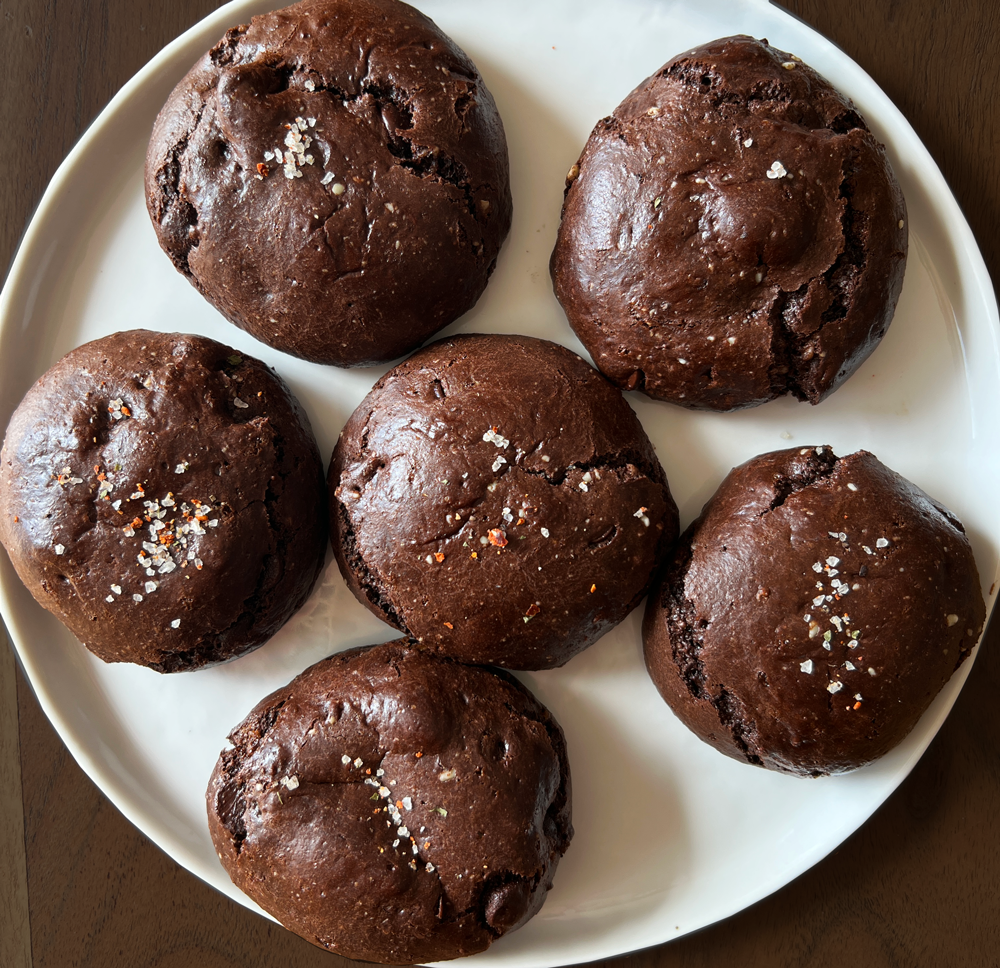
point(497, 499)
point(333, 178)
point(813, 611)
point(732, 233)
point(163, 496)
point(394, 806)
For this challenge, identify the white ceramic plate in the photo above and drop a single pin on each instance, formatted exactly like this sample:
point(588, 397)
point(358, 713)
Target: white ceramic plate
point(670, 835)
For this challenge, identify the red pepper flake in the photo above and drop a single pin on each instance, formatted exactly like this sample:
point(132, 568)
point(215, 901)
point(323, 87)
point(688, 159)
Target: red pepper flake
point(533, 610)
point(102, 476)
point(474, 554)
point(593, 588)
point(97, 468)
point(262, 169)
point(497, 538)
point(447, 625)
point(438, 557)
point(399, 804)
point(166, 538)
point(857, 705)
point(137, 522)
point(418, 755)
point(520, 520)
point(126, 411)
point(16, 519)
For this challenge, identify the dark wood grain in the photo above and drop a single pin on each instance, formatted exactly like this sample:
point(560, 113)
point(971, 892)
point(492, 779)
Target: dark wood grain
point(918, 884)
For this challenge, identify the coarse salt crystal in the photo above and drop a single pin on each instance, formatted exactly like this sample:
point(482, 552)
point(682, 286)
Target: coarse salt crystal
point(59, 549)
point(495, 437)
point(807, 666)
point(240, 404)
point(545, 532)
point(777, 170)
point(834, 687)
point(882, 543)
point(175, 624)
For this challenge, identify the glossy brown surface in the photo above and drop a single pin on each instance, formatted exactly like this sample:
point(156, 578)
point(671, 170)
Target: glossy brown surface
point(381, 221)
point(395, 806)
point(915, 886)
point(811, 613)
point(162, 495)
point(731, 233)
point(496, 498)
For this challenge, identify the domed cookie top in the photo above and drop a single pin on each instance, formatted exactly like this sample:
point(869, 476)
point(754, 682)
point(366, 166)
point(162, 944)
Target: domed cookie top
point(394, 806)
point(497, 499)
point(810, 615)
point(163, 496)
point(733, 232)
point(333, 177)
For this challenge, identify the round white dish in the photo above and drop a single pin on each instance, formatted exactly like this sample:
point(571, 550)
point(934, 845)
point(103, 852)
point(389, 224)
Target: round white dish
point(671, 836)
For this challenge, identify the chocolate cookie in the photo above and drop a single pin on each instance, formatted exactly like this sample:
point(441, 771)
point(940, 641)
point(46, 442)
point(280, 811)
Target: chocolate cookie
point(813, 611)
point(497, 499)
point(162, 496)
point(333, 178)
point(732, 233)
point(393, 806)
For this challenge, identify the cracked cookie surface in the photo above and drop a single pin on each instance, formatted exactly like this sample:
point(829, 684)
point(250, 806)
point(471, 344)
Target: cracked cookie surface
point(732, 233)
point(393, 806)
point(333, 177)
point(812, 612)
point(497, 499)
point(162, 495)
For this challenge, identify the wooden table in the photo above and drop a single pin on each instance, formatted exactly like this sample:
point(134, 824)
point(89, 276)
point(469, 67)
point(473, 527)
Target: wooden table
point(919, 884)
